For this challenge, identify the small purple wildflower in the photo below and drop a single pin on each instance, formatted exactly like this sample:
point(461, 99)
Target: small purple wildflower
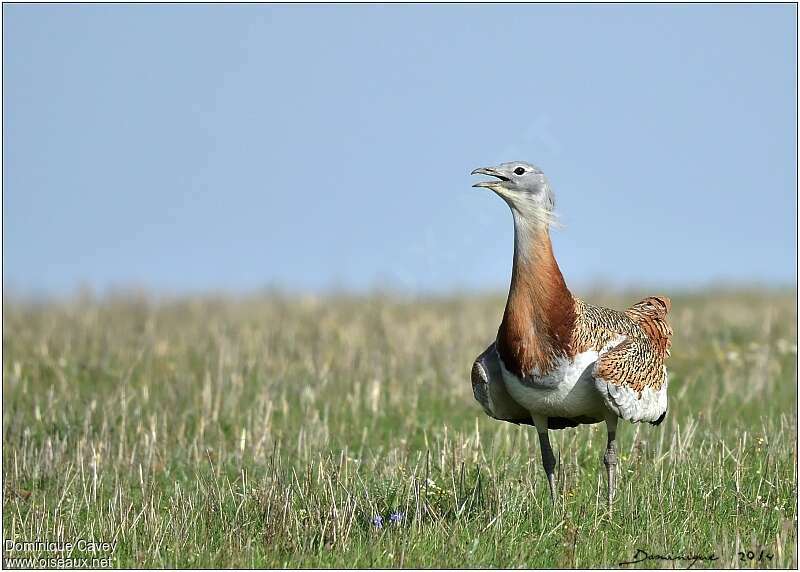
point(396, 517)
point(377, 521)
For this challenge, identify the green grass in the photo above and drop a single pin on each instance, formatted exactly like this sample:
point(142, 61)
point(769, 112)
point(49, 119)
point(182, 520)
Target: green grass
point(268, 431)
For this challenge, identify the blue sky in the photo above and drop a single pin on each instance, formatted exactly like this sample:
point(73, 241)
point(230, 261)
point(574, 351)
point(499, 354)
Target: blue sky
point(193, 148)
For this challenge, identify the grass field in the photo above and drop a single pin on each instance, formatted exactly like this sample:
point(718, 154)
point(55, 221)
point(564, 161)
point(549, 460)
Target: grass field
point(271, 431)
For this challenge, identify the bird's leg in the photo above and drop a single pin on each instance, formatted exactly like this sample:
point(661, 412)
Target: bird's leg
point(610, 457)
point(548, 458)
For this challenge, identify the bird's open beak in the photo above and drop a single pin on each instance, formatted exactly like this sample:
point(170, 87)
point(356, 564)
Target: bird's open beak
point(491, 173)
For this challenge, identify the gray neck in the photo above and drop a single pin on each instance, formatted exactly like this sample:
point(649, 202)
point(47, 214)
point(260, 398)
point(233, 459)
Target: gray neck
point(529, 233)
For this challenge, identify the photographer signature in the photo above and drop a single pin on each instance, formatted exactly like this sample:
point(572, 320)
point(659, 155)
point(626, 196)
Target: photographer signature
point(643, 555)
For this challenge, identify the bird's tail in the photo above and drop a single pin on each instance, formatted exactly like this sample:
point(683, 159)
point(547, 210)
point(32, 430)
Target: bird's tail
point(651, 314)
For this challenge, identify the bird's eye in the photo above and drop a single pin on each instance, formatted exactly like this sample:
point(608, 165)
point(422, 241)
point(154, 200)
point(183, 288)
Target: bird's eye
point(519, 171)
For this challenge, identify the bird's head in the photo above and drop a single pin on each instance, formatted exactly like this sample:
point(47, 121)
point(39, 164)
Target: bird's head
point(524, 187)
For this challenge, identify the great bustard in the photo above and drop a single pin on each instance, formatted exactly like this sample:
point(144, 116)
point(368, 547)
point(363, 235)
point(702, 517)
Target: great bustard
point(558, 361)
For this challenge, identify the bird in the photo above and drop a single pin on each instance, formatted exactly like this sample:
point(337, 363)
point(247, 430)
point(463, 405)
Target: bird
point(558, 361)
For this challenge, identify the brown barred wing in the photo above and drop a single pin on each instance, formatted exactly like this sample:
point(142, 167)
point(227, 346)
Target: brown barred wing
point(632, 380)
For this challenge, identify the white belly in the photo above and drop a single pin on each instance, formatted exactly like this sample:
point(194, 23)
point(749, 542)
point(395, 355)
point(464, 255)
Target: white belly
point(567, 391)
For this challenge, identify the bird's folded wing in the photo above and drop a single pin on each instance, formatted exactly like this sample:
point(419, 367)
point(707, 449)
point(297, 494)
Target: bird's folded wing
point(490, 389)
point(632, 380)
